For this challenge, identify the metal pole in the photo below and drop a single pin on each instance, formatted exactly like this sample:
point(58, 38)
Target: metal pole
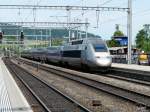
point(129, 31)
point(35, 37)
point(18, 35)
point(86, 27)
point(68, 22)
point(41, 39)
point(50, 37)
point(46, 37)
point(69, 34)
point(77, 34)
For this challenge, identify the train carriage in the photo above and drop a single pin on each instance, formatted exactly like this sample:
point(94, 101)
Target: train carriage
point(91, 53)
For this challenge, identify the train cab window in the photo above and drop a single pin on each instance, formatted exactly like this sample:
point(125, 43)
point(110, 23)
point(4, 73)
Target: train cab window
point(100, 47)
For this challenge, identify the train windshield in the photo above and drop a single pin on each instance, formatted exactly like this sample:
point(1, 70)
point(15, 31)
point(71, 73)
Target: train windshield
point(100, 48)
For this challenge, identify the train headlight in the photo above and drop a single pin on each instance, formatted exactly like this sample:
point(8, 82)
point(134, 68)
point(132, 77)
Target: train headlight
point(105, 57)
point(98, 57)
point(108, 57)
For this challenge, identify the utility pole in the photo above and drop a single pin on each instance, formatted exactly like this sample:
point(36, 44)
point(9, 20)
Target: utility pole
point(46, 37)
point(129, 31)
point(147, 30)
point(86, 28)
point(50, 37)
point(41, 40)
point(68, 22)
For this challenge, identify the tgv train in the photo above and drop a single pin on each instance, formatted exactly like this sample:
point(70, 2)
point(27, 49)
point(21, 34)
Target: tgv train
point(91, 53)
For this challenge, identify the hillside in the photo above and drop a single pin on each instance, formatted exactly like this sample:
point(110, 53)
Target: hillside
point(11, 31)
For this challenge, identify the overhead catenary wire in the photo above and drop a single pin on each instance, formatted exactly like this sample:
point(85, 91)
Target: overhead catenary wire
point(97, 12)
point(123, 17)
point(32, 11)
point(106, 2)
point(142, 13)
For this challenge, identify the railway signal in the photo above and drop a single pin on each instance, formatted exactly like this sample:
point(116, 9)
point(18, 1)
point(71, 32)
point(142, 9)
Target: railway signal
point(22, 36)
point(1, 36)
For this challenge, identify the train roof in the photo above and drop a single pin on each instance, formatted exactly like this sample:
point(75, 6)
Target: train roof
point(123, 47)
point(53, 47)
point(85, 40)
point(35, 50)
point(116, 48)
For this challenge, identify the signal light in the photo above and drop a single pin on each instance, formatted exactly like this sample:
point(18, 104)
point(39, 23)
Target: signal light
point(22, 36)
point(1, 37)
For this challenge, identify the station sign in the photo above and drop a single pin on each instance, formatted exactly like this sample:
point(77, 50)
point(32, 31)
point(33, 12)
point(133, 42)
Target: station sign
point(122, 40)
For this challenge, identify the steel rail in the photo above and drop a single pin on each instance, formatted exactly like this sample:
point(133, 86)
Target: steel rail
point(144, 83)
point(84, 109)
point(26, 85)
point(132, 74)
point(132, 96)
point(117, 91)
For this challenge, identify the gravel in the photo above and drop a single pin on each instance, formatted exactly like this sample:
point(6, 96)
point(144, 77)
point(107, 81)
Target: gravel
point(86, 95)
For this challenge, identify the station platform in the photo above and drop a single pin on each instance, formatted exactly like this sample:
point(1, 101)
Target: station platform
point(132, 67)
point(11, 97)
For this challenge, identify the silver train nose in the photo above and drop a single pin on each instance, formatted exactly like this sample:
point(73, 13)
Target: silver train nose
point(104, 61)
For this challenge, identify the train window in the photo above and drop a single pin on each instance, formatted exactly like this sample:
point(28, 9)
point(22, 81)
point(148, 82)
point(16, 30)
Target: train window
point(73, 53)
point(100, 47)
point(120, 51)
point(77, 42)
point(114, 52)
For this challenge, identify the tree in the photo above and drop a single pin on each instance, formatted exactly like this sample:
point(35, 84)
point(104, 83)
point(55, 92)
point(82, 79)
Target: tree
point(57, 42)
point(11, 38)
point(118, 32)
point(143, 40)
point(112, 43)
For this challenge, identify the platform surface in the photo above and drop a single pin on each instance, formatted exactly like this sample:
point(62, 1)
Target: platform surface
point(132, 67)
point(11, 97)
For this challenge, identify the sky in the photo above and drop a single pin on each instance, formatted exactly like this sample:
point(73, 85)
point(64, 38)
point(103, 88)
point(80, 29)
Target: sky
point(107, 19)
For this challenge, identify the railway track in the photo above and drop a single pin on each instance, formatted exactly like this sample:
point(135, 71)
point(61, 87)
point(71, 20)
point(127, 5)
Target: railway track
point(49, 97)
point(138, 98)
point(119, 77)
point(139, 76)
point(33, 102)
